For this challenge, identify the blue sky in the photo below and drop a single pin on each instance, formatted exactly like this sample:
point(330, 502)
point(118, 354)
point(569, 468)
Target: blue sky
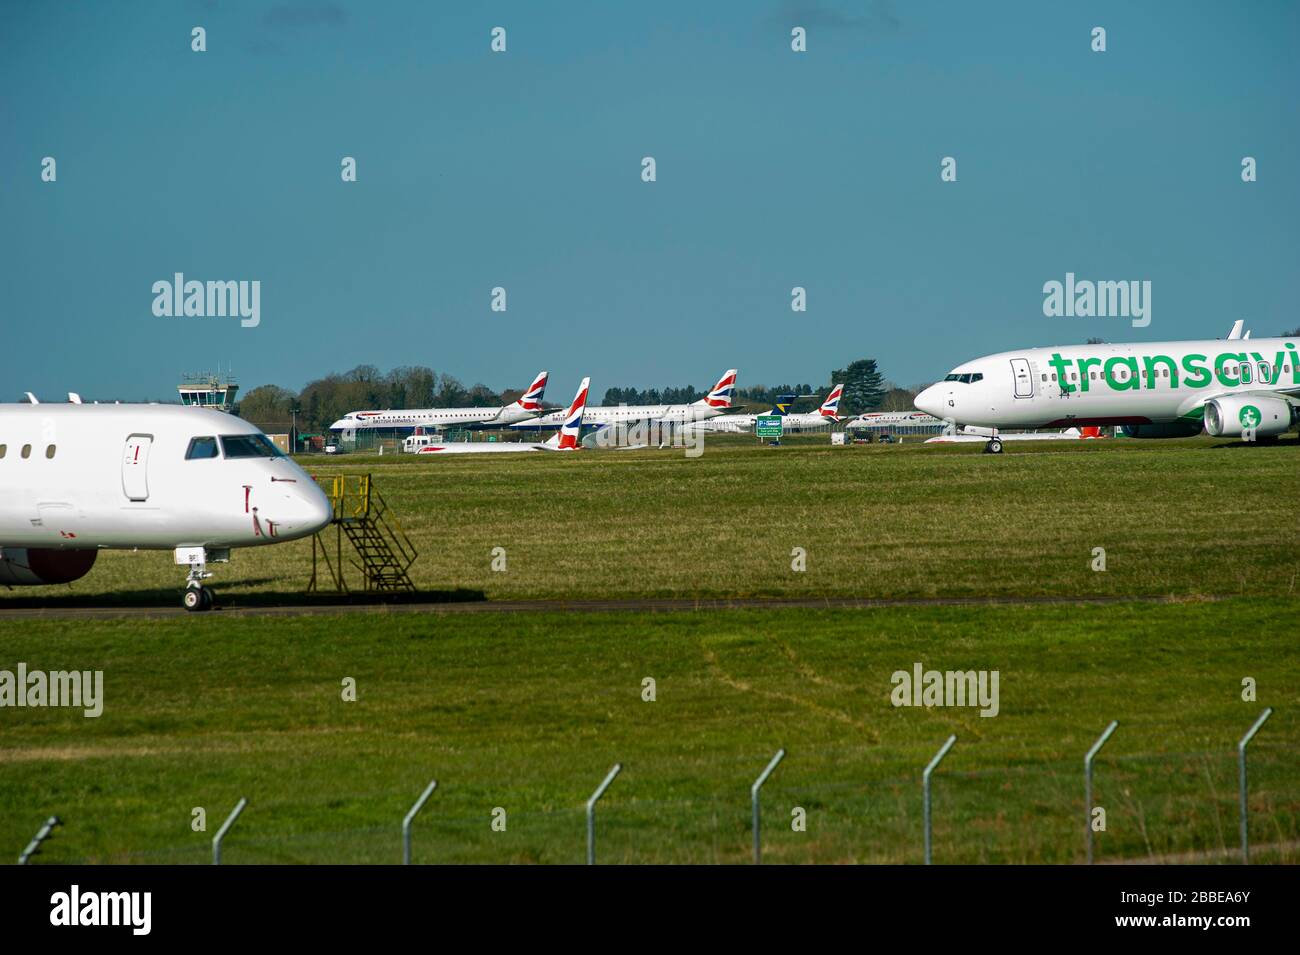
point(522, 170)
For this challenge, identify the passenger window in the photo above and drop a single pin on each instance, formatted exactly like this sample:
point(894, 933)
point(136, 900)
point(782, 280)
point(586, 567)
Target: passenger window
point(49, 452)
point(1265, 371)
point(27, 450)
point(1245, 372)
point(3, 449)
point(202, 448)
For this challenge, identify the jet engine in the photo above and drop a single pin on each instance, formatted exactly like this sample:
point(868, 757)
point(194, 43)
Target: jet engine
point(1233, 416)
point(29, 566)
point(1169, 429)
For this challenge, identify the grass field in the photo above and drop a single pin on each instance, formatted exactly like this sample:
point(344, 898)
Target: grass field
point(1181, 517)
point(528, 711)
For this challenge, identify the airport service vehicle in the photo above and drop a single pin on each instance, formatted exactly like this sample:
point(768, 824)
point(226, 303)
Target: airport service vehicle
point(566, 439)
point(744, 423)
point(76, 479)
point(1238, 387)
point(529, 405)
point(717, 401)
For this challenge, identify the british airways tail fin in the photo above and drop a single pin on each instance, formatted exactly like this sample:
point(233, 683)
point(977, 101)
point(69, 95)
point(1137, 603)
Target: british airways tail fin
point(831, 406)
point(720, 396)
point(567, 437)
point(531, 400)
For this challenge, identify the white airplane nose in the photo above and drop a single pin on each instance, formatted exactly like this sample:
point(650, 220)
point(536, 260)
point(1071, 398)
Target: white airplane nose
point(317, 508)
point(930, 401)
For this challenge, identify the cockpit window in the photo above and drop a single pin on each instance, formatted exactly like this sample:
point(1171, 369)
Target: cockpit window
point(249, 446)
point(967, 379)
point(202, 448)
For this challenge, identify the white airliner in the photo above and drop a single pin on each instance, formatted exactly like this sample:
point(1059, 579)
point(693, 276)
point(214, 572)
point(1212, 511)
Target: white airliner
point(1240, 387)
point(76, 479)
point(566, 439)
point(893, 419)
point(528, 406)
point(805, 421)
point(714, 403)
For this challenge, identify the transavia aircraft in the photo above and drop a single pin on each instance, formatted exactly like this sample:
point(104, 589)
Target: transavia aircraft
point(566, 439)
point(744, 423)
point(528, 406)
point(714, 403)
point(76, 479)
point(1237, 388)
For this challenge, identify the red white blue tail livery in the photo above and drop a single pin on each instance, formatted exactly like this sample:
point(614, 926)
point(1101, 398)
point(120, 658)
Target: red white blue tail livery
point(831, 406)
point(531, 400)
point(571, 430)
point(720, 396)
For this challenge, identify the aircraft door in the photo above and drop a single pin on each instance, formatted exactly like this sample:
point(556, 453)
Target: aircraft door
point(1023, 378)
point(135, 467)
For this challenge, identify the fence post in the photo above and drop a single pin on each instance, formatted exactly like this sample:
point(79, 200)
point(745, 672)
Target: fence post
point(753, 801)
point(925, 789)
point(1087, 783)
point(42, 834)
point(591, 813)
point(410, 817)
point(225, 827)
point(1241, 766)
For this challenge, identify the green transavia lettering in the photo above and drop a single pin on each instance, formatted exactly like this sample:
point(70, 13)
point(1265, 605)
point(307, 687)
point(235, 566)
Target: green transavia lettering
point(1163, 371)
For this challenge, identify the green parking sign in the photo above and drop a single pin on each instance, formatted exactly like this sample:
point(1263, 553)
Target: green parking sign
point(768, 426)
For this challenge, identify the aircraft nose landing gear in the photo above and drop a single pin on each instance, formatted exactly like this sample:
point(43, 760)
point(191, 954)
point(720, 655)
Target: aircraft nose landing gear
point(994, 446)
point(197, 597)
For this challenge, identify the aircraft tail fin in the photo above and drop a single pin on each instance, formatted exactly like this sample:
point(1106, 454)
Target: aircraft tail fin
point(531, 400)
point(831, 406)
point(567, 437)
point(720, 396)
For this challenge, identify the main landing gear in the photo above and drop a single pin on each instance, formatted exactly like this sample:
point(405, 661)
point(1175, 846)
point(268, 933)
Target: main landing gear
point(993, 446)
point(197, 597)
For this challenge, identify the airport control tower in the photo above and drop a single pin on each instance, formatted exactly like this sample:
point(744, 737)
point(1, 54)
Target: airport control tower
point(208, 390)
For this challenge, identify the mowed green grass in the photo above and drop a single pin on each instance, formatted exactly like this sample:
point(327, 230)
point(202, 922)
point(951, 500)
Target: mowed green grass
point(1181, 517)
point(528, 711)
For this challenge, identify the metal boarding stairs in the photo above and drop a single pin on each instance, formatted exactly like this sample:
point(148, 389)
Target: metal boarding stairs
point(383, 552)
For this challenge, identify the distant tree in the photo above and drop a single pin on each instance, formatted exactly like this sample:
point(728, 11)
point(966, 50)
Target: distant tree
point(1095, 341)
point(412, 387)
point(451, 393)
point(480, 395)
point(1294, 333)
point(863, 386)
point(268, 405)
point(898, 399)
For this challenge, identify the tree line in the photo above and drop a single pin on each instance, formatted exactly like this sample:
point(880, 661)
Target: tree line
point(325, 400)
